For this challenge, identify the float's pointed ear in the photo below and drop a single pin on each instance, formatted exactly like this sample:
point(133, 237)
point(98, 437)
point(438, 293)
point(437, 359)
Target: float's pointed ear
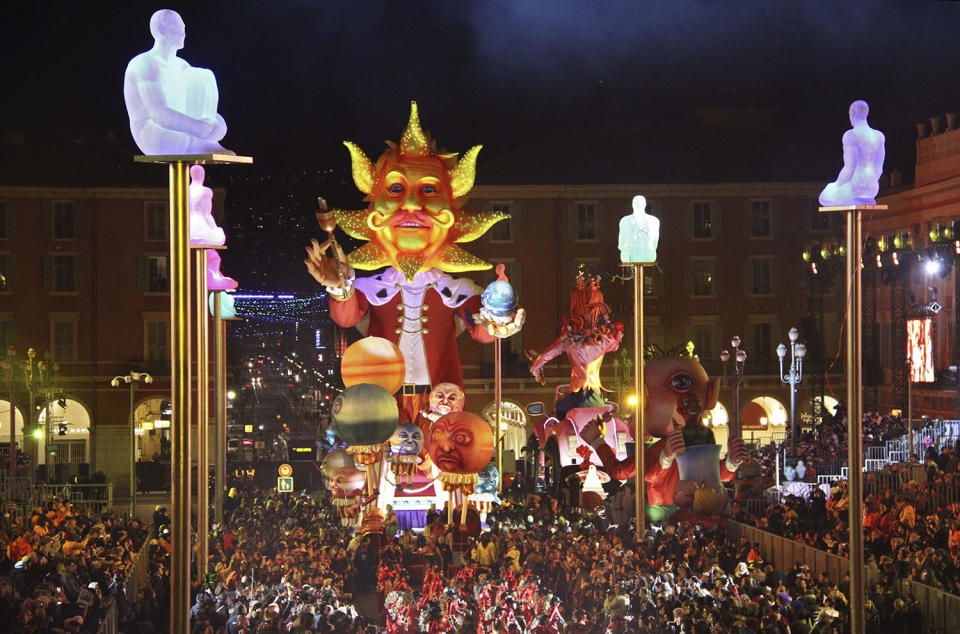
point(364, 174)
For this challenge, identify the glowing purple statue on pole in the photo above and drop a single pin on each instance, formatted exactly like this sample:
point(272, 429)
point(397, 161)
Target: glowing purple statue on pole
point(172, 105)
point(863, 154)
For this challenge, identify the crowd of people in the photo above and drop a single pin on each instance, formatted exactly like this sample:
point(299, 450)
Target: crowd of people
point(62, 568)
point(283, 563)
point(911, 517)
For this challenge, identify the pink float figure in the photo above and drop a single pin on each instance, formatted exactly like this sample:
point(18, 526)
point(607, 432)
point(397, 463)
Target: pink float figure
point(216, 281)
point(204, 231)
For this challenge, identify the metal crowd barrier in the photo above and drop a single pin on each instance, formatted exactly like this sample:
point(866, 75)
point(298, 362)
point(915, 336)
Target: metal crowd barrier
point(110, 623)
point(941, 610)
point(95, 497)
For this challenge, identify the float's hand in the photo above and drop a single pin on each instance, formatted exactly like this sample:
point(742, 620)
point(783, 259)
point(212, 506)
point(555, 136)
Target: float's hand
point(326, 270)
point(592, 434)
point(674, 445)
point(503, 331)
point(538, 375)
point(736, 453)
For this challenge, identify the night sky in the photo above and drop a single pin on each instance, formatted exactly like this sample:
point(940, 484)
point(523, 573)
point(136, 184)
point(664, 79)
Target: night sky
point(298, 77)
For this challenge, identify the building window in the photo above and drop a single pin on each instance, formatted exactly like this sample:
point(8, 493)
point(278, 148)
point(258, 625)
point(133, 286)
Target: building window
point(762, 354)
point(8, 335)
point(760, 226)
point(157, 221)
point(64, 339)
point(157, 279)
point(703, 338)
point(502, 231)
point(64, 220)
point(7, 272)
point(702, 220)
point(6, 220)
point(704, 282)
point(157, 340)
point(586, 221)
point(761, 282)
point(64, 273)
point(818, 221)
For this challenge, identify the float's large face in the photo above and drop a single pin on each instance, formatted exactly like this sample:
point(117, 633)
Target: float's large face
point(407, 440)
point(412, 207)
point(461, 443)
point(668, 381)
point(487, 479)
point(346, 482)
point(446, 398)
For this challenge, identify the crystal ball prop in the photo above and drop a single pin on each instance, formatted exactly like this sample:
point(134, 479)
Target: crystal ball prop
point(373, 360)
point(334, 460)
point(460, 442)
point(499, 299)
point(365, 414)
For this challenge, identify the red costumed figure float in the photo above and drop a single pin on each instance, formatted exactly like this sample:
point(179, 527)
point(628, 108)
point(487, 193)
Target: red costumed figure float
point(679, 392)
point(586, 335)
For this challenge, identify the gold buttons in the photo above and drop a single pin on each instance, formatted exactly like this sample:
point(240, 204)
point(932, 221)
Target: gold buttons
point(423, 319)
point(425, 307)
point(398, 330)
point(400, 319)
point(424, 330)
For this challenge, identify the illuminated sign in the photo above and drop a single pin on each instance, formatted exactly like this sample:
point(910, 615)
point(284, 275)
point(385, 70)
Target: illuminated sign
point(920, 350)
point(303, 449)
point(285, 485)
point(146, 425)
point(248, 429)
point(285, 471)
point(162, 424)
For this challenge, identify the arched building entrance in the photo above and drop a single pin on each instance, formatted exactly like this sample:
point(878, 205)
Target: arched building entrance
point(67, 439)
point(764, 419)
point(5, 430)
point(152, 425)
point(513, 421)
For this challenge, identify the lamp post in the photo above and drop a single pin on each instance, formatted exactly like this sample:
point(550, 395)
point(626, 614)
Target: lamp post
point(9, 366)
point(622, 373)
point(793, 376)
point(740, 359)
point(132, 379)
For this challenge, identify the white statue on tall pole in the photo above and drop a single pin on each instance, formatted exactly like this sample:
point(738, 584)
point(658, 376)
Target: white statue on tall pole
point(863, 154)
point(639, 234)
point(172, 106)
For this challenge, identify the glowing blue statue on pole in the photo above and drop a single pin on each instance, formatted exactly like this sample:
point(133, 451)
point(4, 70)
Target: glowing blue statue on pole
point(863, 154)
point(172, 106)
point(639, 234)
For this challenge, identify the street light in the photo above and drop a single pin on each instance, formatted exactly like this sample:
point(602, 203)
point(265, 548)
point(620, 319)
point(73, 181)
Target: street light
point(792, 377)
point(740, 359)
point(132, 379)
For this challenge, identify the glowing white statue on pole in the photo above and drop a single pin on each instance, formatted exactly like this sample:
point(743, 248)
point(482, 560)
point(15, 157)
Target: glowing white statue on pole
point(863, 154)
point(639, 234)
point(203, 228)
point(172, 106)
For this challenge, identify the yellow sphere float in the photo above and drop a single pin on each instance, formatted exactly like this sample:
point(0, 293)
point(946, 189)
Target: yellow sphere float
point(373, 360)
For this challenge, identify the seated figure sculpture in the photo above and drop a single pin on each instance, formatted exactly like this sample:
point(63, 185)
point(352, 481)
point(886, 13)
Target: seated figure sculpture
point(863, 154)
point(639, 234)
point(203, 228)
point(172, 106)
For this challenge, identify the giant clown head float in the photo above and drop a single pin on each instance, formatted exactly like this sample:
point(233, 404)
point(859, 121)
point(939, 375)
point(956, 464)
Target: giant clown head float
point(415, 219)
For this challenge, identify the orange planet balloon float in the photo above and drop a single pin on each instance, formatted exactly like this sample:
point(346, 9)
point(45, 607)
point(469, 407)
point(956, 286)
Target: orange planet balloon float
point(373, 360)
point(460, 444)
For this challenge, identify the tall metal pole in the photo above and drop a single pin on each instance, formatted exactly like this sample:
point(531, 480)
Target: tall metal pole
point(133, 450)
point(203, 414)
point(180, 370)
point(497, 399)
point(854, 420)
point(220, 401)
point(910, 410)
point(639, 414)
point(11, 367)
